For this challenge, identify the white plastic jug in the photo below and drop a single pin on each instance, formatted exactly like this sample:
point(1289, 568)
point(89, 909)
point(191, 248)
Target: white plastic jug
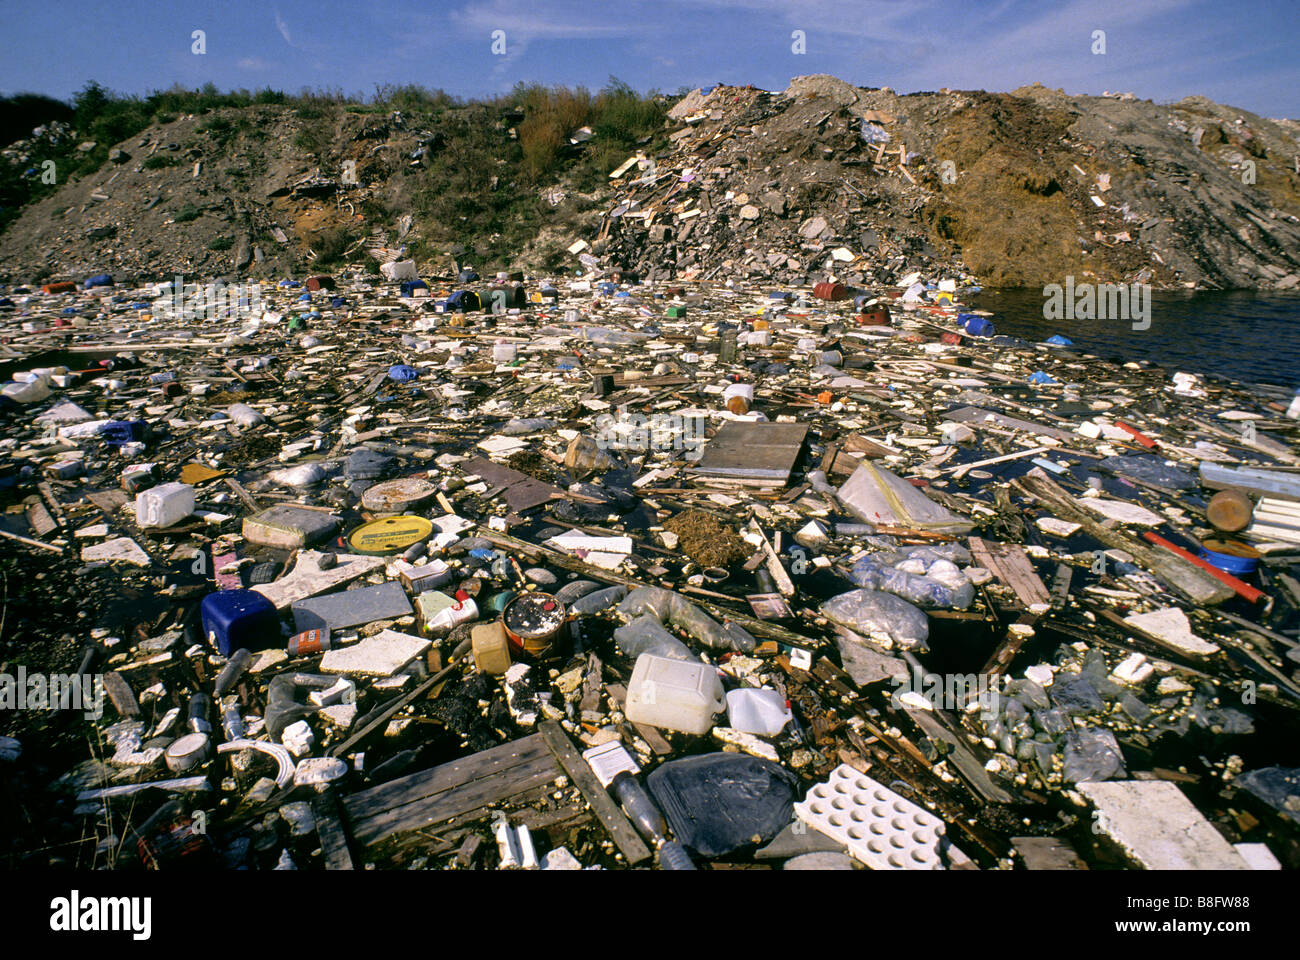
point(674, 694)
point(761, 712)
point(164, 505)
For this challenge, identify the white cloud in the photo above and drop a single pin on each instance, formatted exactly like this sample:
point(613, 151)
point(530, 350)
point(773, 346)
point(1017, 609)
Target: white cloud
point(283, 28)
point(252, 63)
point(543, 21)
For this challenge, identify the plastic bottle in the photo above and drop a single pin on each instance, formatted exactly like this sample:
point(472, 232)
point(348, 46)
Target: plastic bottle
point(673, 856)
point(638, 806)
point(727, 351)
point(200, 707)
point(232, 671)
point(232, 723)
point(1293, 411)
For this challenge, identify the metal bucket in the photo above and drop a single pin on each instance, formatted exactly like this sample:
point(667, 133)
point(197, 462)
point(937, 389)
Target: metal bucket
point(533, 622)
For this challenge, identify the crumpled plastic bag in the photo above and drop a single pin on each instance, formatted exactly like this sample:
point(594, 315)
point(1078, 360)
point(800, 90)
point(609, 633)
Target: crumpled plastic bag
point(674, 609)
point(1092, 754)
point(933, 584)
point(876, 614)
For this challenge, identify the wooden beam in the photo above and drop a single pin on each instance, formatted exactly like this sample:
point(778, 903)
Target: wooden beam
point(333, 839)
point(661, 747)
point(613, 819)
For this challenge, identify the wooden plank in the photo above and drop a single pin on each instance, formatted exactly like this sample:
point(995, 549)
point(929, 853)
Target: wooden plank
point(424, 783)
point(1060, 593)
point(52, 501)
point(521, 492)
point(39, 519)
point(613, 819)
point(458, 800)
point(108, 501)
point(662, 748)
point(967, 764)
point(762, 453)
point(333, 839)
point(1006, 652)
point(121, 695)
point(1010, 565)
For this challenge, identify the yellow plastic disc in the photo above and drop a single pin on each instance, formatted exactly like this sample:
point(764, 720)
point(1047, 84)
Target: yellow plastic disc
point(389, 535)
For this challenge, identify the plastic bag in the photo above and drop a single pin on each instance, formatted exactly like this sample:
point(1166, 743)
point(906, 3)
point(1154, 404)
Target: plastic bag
point(646, 634)
point(1092, 754)
point(244, 415)
point(598, 600)
point(873, 571)
point(518, 427)
point(877, 614)
point(674, 609)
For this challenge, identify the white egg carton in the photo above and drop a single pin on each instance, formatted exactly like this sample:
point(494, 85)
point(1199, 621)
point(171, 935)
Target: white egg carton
point(880, 828)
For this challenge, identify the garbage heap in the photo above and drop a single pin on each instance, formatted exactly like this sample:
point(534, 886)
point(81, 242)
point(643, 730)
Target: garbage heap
point(448, 573)
point(766, 186)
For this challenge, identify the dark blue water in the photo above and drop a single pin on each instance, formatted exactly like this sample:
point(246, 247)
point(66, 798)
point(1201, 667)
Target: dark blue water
point(1242, 336)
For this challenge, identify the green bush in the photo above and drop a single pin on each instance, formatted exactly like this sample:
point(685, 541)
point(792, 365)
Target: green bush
point(160, 160)
point(221, 243)
point(330, 245)
point(186, 213)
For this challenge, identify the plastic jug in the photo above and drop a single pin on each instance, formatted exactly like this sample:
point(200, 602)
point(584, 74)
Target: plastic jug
point(761, 712)
point(674, 694)
point(164, 505)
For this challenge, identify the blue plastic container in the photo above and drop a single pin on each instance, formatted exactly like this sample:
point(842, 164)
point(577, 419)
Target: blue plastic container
point(120, 432)
point(99, 280)
point(463, 301)
point(410, 286)
point(402, 373)
point(975, 325)
point(1238, 566)
point(239, 619)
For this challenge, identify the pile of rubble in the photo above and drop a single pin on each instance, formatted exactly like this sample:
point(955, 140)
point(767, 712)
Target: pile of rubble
point(445, 573)
point(1020, 189)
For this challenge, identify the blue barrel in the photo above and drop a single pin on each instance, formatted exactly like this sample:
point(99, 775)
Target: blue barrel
point(99, 280)
point(975, 325)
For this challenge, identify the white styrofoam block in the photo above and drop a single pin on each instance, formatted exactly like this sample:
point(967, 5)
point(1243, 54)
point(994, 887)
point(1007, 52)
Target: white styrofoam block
point(1258, 855)
point(1155, 824)
point(1134, 670)
point(882, 829)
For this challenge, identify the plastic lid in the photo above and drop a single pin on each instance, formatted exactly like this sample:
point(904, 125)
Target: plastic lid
point(388, 535)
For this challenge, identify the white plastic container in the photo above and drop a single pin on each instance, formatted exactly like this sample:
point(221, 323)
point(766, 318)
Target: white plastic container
point(674, 694)
point(761, 712)
point(164, 505)
point(503, 352)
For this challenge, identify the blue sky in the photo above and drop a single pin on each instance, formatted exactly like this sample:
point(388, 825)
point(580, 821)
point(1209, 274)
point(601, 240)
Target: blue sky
point(1240, 53)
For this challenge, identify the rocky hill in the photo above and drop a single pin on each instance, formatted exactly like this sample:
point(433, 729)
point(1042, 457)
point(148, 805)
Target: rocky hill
point(1018, 189)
